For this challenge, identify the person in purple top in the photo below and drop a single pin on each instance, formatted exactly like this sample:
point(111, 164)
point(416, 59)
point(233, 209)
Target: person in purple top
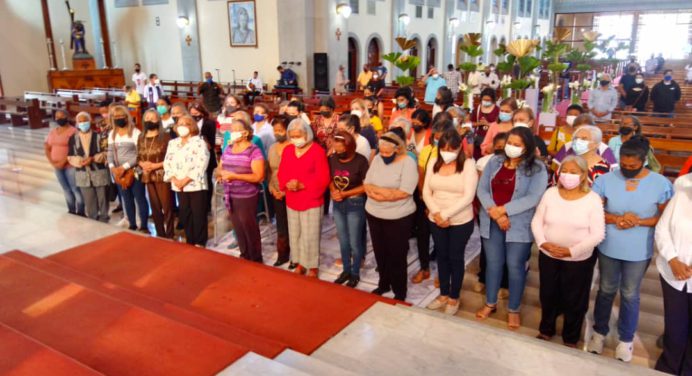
point(242, 170)
point(568, 149)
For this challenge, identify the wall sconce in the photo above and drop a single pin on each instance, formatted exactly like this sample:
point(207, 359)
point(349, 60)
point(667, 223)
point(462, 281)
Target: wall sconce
point(453, 22)
point(344, 10)
point(182, 21)
point(404, 19)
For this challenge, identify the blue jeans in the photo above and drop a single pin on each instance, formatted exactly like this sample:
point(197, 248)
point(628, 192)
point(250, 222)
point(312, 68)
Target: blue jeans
point(135, 194)
point(73, 196)
point(625, 276)
point(349, 217)
point(450, 244)
point(497, 253)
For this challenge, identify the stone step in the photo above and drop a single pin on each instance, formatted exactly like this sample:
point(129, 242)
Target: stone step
point(252, 364)
point(310, 364)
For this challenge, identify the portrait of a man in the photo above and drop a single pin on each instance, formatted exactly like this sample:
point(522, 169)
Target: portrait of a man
point(242, 23)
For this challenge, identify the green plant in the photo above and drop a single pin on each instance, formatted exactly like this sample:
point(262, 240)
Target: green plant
point(527, 64)
point(405, 63)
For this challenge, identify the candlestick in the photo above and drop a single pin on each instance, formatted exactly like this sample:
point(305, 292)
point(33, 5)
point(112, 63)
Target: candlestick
point(103, 54)
point(62, 51)
point(115, 59)
point(49, 44)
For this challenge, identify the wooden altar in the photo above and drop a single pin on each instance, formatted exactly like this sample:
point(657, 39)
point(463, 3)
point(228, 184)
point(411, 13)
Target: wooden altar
point(85, 78)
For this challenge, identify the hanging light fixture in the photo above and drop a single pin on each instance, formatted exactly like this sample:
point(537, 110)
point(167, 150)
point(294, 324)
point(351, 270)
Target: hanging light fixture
point(344, 10)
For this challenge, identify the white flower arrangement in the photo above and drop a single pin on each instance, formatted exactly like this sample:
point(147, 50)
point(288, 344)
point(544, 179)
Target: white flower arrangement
point(587, 84)
point(506, 80)
point(549, 89)
point(575, 85)
point(463, 87)
point(522, 103)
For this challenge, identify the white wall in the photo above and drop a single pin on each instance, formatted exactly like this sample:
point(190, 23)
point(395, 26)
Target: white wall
point(364, 27)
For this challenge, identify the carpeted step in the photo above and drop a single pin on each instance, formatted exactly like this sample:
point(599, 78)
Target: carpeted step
point(262, 346)
point(103, 333)
point(22, 355)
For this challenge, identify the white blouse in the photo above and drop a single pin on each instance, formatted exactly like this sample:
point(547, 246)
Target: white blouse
point(674, 233)
point(189, 160)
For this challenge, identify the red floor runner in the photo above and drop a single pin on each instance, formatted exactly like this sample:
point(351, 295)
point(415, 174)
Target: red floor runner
point(260, 345)
point(22, 356)
point(105, 334)
point(300, 312)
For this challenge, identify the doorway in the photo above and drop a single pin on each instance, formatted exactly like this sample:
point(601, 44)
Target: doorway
point(431, 53)
point(352, 61)
point(374, 53)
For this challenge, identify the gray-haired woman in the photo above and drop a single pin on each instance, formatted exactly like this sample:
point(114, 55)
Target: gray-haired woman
point(304, 176)
point(151, 151)
point(86, 155)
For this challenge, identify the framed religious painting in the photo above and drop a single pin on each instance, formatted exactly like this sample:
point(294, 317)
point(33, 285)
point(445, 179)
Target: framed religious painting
point(242, 23)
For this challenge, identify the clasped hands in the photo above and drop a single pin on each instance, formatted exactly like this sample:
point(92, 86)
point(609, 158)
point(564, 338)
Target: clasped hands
point(499, 215)
point(626, 221)
point(337, 195)
point(680, 270)
point(147, 166)
point(294, 185)
point(555, 250)
point(442, 223)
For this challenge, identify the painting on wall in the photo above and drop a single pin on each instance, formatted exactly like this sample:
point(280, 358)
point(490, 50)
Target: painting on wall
point(242, 23)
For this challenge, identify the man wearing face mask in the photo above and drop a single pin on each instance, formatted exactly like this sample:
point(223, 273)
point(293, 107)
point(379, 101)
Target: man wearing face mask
point(211, 93)
point(637, 94)
point(665, 94)
point(139, 78)
point(153, 91)
point(489, 78)
point(433, 82)
point(603, 100)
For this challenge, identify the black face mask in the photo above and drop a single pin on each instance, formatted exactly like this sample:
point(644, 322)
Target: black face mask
point(198, 117)
point(438, 101)
point(120, 123)
point(372, 111)
point(418, 128)
point(388, 160)
point(175, 119)
point(605, 82)
point(326, 114)
point(61, 122)
point(280, 138)
point(137, 70)
point(630, 173)
point(230, 109)
point(625, 131)
point(151, 126)
point(499, 151)
point(343, 155)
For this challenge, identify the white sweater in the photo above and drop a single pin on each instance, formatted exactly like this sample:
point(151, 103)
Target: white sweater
point(451, 195)
point(674, 233)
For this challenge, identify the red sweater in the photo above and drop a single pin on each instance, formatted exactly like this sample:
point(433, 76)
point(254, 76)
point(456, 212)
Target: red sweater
point(311, 169)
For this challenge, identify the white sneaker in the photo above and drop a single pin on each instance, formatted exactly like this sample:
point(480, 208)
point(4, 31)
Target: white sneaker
point(595, 345)
point(452, 309)
point(623, 351)
point(438, 303)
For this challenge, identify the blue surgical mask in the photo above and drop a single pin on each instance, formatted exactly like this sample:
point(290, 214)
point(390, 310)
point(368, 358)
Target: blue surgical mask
point(84, 126)
point(210, 80)
point(259, 117)
point(580, 146)
point(487, 103)
point(505, 116)
point(667, 77)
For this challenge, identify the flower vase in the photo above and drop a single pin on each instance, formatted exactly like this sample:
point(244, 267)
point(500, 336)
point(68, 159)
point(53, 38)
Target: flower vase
point(576, 97)
point(548, 102)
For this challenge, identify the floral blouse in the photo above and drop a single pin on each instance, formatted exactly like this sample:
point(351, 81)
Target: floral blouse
point(188, 160)
point(324, 130)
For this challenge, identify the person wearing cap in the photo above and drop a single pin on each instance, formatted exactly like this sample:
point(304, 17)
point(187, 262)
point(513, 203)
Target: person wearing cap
point(389, 184)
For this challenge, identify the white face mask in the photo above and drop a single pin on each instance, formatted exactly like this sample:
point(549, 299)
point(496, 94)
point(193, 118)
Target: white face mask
point(358, 113)
point(513, 151)
point(520, 124)
point(570, 120)
point(435, 76)
point(299, 142)
point(638, 80)
point(235, 136)
point(467, 125)
point(449, 156)
point(580, 146)
point(183, 131)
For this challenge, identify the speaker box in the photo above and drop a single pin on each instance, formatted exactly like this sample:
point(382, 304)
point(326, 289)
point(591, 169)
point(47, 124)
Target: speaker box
point(321, 69)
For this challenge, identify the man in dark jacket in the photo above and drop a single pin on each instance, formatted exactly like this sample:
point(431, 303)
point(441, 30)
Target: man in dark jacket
point(665, 94)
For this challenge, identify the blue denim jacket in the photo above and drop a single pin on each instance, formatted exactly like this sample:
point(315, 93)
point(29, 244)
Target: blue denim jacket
point(528, 191)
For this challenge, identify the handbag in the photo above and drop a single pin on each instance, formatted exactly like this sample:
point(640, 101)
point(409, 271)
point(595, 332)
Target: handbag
point(125, 180)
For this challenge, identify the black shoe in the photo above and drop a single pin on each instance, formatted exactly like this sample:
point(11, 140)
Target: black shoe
point(132, 228)
point(144, 230)
point(117, 209)
point(292, 265)
point(353, 281)
point(381, 291)
point(343, 277)
point(280, 262)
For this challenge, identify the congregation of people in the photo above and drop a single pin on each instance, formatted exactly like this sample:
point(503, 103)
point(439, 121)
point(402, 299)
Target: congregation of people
point(426, 175)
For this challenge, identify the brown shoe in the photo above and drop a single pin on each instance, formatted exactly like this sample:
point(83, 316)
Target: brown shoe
point(299, 269)
point(486, 311)
point(437, 283)
point(513, 320)
point(312, 273)
point(544, 337)
point(421, 276)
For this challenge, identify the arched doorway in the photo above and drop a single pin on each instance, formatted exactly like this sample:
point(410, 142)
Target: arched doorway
point(461, 57)
point(415, 51)
point(352, 61)
point(374, 52)
point(431, 53)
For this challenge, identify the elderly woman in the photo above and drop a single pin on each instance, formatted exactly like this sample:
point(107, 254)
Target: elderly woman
point(389, 185)
point(122, 160)
point(603, 149)
point(449, 190)
point(283, 248)
point(567, 243)
point(304, 176)
point(241, 171)
point(185, 167)
point(629, 127)
point(585, 142)
point(674, 262)
point(509, 191)
point(56, 150)
point(151, 151)
point(86, 156)
point(348, 170)
point(634, 199)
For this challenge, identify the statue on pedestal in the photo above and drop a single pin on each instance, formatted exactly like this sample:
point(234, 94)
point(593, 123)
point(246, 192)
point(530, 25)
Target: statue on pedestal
point(78, 34)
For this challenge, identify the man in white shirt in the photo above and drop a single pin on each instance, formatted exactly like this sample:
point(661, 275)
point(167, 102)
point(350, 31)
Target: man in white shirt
point(139, 79)
point(254, 88)
point(153, 91)
point(489, 78)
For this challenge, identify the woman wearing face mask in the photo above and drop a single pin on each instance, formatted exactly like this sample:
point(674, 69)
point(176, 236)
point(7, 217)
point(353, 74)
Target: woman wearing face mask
point(503, 124)
point(304, 176)
point(509, 191)
point(449, 190)
point(351, 124)
point(56, 149)
point(585, 142)
point(674, 264)
point(122, 159)
point(421, 131)
point(241, 171)
point(283, 248)
point(567, 243)
point(86, 156)
point(405, 104)
point(389, 185)
point(524, 118)
point(163, 107)
point(638, 94)
point(629, 127)
point(151, 151)
point(185, 167)
point(261, 127)
point(230, 105)
point(348, 170)
point(482, 116)
point(603, 150)
point(444, 99)
point(359, 109)
point(563, 133)
point(207, 130)
point(375, 108)
point(324, 124)
point(634, 198)
point(178, 110)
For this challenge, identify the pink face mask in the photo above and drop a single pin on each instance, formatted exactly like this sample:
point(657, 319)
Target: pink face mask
point(570, 181)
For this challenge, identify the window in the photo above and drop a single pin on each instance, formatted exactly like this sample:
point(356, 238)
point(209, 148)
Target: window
point(505, 6)
point(372, 7)
point(474, 5)
point(676, 27)
point(529, 8)
point(522, 7)
point(461, 4)
point(619, 26)
point(354, 6)
point(419, 11)
point(431, 12)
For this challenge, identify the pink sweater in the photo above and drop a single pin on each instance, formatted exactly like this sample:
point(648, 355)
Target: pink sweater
point(578, 225)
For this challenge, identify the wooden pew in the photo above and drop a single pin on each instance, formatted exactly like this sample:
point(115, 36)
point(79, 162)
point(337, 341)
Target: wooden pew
point(22, 112)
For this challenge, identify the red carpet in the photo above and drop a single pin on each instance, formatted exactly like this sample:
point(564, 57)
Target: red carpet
point(271, 303)
point(103, 333)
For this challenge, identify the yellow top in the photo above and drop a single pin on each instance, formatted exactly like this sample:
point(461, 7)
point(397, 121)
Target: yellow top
point(376, 123)
point(558, 140)
point(425, 155)
point(364, 78)
point(133, 99)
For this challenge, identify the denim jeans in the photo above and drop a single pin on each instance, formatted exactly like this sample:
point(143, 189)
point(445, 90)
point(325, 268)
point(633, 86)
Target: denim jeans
point(625, 276)
point(515, 255)
point(73, 196)
point(349, 217)
point(135, 194)
point(450, 244)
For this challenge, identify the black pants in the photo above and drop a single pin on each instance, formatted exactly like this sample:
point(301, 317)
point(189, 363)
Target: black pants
point(421, 228)
point(250, 97)
point(677, 336)
point(193, 215)
point(283, 247)
point(564, 287)
point(390, 243)
point(450, 244)
point(247, 231)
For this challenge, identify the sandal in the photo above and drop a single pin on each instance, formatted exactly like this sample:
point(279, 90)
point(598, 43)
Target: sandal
point(486, 311)
point(513, 320)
